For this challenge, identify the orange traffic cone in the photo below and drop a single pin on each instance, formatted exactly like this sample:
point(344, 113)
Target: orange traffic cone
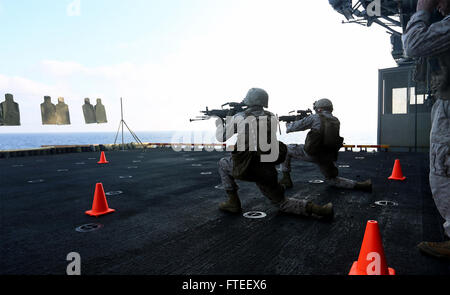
point(100, 205)
point(102, 159)
point(397, 172)
point(371, 259)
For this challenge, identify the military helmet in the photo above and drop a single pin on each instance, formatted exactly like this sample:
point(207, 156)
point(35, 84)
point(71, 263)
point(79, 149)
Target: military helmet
point(257, 97)
point(323, 103)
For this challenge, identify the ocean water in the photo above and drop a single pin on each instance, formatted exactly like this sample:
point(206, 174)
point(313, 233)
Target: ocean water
point(10, 141)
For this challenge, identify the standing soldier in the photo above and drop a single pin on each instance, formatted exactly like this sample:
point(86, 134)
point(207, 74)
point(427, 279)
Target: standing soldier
point(431, 42)
point(321, 147)
point(248, 163)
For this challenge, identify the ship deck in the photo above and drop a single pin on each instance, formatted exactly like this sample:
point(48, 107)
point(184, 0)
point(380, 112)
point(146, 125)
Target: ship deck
point(167, 222)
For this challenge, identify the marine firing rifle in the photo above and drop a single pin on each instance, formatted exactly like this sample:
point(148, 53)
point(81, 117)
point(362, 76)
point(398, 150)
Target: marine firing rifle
point(234, 108)
point(292, 118)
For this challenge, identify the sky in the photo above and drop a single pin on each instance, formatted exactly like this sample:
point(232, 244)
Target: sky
point(169, 59)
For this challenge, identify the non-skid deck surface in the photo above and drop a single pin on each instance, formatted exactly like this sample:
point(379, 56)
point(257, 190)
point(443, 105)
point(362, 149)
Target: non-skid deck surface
point(167, 221)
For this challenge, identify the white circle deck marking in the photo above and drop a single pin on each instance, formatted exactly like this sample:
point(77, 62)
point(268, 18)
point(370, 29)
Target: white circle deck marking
point(89, 227)
point(115, 193)
point(206, 173)
point(316, 181)
point(344, 166)
point(36, 181)
point(255, 215)
point(386, 203)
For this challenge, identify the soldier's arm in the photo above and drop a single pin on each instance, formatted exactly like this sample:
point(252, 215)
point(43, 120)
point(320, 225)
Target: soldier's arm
point(422, 39)
point(301, 125)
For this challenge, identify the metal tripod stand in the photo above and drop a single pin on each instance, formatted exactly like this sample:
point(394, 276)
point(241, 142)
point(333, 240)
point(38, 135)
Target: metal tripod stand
point(121, 124)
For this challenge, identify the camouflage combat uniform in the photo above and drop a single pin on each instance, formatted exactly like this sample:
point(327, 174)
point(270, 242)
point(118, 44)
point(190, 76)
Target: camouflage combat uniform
point(297, 151)
point(433, 41)
point(263, 174)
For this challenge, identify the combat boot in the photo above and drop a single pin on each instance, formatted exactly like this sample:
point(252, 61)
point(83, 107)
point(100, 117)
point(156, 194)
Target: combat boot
point(286, 181)
point(233, 205)
point(364, 185)
point(439, 250)
point(325, 211)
